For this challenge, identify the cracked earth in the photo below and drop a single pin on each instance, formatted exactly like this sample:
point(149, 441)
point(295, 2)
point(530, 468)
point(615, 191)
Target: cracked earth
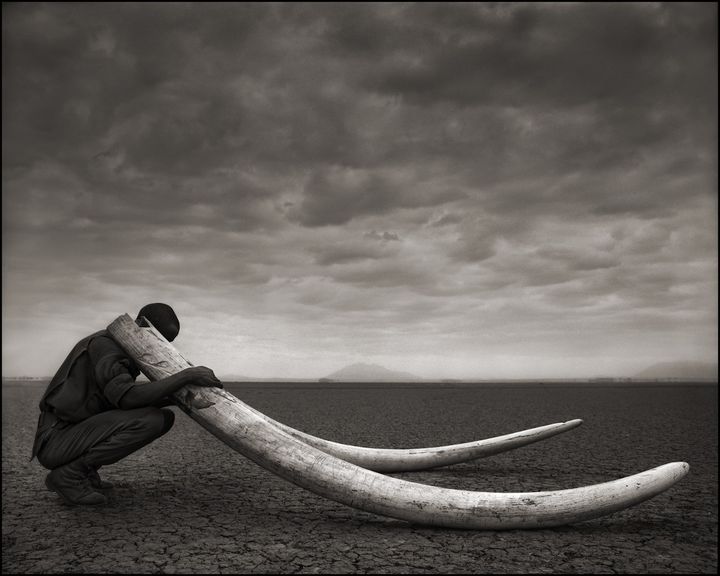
point(189, 504)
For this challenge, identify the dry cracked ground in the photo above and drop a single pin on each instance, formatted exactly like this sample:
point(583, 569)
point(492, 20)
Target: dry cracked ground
point(189, 504)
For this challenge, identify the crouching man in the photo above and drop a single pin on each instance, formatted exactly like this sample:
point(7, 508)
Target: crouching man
point(93, 413)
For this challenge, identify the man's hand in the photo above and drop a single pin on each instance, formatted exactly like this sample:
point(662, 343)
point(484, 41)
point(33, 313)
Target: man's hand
point(201, 376)
point(140, 395)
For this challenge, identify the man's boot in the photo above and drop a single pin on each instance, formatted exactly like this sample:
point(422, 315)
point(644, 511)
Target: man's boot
point(72, 484)
point(96, 482)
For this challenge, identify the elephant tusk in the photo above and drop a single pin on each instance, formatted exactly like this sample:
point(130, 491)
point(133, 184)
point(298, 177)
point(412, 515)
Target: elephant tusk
point(348, 484)
point(414, 459)
point(241, 428)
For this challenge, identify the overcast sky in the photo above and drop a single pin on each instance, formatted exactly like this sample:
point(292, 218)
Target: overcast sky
point(454, 190)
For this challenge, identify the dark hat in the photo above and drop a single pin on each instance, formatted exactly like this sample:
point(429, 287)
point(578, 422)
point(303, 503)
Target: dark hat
point(163, 318)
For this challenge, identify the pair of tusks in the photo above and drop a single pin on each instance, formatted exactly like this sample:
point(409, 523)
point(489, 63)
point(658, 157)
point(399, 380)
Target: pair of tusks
point(414, 459)
point(307, 461)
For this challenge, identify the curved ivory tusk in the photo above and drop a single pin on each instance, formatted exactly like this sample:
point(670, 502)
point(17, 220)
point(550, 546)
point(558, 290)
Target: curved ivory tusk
point(241, 428)
point(414, 459)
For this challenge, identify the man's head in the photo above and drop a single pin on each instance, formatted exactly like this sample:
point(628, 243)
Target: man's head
point(163, 318)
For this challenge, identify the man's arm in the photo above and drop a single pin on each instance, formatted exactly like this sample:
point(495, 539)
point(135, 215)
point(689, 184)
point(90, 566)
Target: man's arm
point(150, 393)
point(114, 377)
point(164, 402)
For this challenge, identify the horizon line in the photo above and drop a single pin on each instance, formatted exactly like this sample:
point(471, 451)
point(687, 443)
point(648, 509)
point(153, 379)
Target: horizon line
point(598, 379)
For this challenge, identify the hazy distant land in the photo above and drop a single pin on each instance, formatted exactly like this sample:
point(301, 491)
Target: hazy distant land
point(676, 372)
point(680, 370)
point(363, 372)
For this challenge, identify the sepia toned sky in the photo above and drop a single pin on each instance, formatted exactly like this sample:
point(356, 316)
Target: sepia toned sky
point(453, 190)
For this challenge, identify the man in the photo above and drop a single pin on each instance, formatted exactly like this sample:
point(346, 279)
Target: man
point(93, 413)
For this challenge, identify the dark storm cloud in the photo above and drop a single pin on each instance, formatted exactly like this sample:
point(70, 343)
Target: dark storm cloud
point(216, 90)
point(384, 273)
point(350, 171)
point(560, 88)
point(382, 237)
point(163, 88)
point(445, 219)
point(345, 252)
point(562, 55)
point(337, 195)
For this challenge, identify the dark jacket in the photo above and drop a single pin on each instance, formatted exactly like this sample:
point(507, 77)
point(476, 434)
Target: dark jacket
point(92, 379)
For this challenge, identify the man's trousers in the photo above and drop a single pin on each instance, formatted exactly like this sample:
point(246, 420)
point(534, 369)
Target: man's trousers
point(104, 438)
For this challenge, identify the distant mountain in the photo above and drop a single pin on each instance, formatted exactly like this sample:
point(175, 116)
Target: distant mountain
point(235, 378)
point(680, 370)
point(370, 373)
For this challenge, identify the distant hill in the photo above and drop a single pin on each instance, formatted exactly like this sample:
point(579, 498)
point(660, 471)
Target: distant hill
point(235, 378)
point(681, 370)
point(370, 373)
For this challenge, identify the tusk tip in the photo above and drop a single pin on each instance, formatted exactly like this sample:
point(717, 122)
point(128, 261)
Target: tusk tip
point(676, 469)
point(574, 423)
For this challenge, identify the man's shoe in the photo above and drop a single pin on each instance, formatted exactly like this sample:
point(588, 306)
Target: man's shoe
point(72, 485)
point(97, 482)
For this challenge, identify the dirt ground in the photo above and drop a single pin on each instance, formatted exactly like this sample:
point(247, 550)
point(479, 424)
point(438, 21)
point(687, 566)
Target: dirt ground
point(189, 504)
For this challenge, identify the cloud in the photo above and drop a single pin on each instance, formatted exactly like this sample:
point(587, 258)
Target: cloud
point(474, 182)
point(339, 253)
point(559, 55)
point(445, 219)
point(336, 195)
point(382, 237)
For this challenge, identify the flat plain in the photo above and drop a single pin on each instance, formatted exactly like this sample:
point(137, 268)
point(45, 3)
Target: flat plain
point(189, 504)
